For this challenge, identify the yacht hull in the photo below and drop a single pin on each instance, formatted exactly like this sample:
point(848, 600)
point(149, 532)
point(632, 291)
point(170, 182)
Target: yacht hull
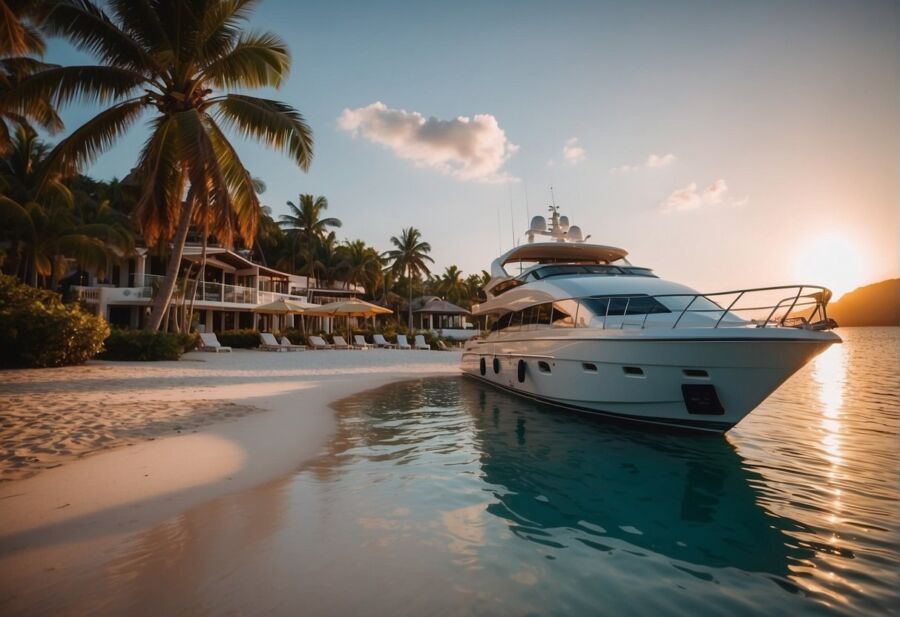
point(705, 380)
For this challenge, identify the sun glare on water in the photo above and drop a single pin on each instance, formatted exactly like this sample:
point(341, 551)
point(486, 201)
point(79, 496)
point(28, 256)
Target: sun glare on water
point(832, 260)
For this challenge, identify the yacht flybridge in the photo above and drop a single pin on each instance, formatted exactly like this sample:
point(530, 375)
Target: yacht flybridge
point(576, 325)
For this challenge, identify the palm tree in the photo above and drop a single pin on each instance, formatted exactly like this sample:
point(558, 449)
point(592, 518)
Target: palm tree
point(20, 46)
point(452, 285)
point(305, 222)
point(409, 257)
point(363, 265)
point(45, 227)
point(174, 59)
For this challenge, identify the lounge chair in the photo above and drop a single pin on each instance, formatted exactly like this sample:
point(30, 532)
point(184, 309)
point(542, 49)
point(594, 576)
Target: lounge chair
point(380, 342)
point(268, 342)
point(287, 344)
point(317, 342)
point(360, 341)
point(209, 342)
point(402, 343)
point(339, 342)
point(420, 342)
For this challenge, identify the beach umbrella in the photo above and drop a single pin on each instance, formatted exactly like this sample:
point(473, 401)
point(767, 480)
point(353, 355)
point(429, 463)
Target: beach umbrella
point(348, 308)
point(283, 307)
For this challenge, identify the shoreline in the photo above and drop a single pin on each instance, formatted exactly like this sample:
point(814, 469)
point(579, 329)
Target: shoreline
point(46, 518)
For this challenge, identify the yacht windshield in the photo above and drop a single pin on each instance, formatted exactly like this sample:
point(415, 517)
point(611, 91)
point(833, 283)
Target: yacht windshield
point(549, 271)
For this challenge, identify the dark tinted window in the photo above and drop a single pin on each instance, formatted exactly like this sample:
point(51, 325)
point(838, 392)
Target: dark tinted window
point(621, 305)
point(542, 314)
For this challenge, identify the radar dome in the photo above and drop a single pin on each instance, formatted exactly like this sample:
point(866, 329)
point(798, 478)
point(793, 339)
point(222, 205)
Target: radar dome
point(539, 223)
point(575, 233)
point(564, 222)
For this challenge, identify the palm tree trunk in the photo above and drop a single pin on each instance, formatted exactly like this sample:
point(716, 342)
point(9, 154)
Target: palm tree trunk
point(161, 302)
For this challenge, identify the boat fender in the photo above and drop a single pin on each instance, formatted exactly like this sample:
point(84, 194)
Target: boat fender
point(522, 368)
point(496, 365)
point(482, 366)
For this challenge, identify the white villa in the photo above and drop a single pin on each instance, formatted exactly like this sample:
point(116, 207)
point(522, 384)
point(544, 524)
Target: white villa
point(234, 285)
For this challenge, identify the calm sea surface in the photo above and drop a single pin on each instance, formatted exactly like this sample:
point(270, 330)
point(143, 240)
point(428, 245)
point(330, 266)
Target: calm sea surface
point(445, 497)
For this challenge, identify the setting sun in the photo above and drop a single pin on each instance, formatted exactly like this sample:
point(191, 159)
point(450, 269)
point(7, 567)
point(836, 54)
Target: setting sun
point(833, 260)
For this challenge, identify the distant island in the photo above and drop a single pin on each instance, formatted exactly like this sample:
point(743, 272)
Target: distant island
point(877, 304)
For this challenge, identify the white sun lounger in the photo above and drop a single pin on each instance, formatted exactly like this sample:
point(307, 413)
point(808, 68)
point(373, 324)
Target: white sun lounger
point(209, 342)
point(402, 342)
point(339, 342)
point(317, 342)
point(268, 342)
point(380, 342)
point(360, 341)
point(420, 342)
point(287, 344)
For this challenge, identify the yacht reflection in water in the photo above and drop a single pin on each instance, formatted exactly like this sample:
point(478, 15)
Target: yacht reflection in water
point(559, 478)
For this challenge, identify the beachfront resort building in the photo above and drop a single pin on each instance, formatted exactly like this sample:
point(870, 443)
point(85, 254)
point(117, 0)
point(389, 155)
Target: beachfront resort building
point(233, 287)
point(444, 318)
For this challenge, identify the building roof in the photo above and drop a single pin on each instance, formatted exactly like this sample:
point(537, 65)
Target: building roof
point(441, 307)
point(222, 257)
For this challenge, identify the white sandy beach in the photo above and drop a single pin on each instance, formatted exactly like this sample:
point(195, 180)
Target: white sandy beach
point(114, 447)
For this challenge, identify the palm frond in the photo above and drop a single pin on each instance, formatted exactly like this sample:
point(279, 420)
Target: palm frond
point(93, 137)
point(162, 180)
point(140, 21)
point(276, 124)
point(256, 61)
point(220, 26)
point(242, 185)
point(89, 29)
point(67, 84)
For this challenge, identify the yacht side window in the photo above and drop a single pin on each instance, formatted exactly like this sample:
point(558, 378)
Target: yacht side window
point(564, 314)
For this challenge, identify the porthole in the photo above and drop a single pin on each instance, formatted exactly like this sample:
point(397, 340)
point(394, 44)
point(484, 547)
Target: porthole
point(497, 365)
point(482, 366)
point(696, 373)
point(522, 367)
point(589, 367)
point(633, 371)
point(544, 367)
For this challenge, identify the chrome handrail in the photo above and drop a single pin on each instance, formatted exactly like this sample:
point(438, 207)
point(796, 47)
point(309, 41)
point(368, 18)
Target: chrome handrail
point(816, 297)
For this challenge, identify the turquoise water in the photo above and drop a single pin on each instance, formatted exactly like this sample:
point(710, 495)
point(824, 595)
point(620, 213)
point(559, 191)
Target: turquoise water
point(445, 497)
point(527, 510)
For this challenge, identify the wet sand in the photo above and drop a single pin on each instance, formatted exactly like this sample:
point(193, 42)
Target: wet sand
point(115, 447)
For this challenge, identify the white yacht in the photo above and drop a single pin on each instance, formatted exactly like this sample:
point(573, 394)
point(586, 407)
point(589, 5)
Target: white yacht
point(576, 325)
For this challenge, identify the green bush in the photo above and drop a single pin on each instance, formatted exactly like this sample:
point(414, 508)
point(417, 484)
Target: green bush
point(143, 346)
point(295, 335)
point(239, 339)
point(188, 342)
point(38, 330)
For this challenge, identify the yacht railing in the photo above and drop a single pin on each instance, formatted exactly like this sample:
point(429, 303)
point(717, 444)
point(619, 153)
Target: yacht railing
point(794, 306)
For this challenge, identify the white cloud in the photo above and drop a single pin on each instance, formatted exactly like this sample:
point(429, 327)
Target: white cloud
point(654, 161)
point(660, 160)
point(572, 152)
point(467, 148)
point(689, 198)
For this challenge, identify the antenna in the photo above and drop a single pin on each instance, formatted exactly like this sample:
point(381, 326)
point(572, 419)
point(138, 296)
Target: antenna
point(552, 197)
point(512, 221)
point(527, 210)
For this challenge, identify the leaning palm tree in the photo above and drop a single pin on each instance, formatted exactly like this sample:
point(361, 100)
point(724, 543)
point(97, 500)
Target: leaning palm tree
point(305, 223)
point(173, 59)
point(409, 258)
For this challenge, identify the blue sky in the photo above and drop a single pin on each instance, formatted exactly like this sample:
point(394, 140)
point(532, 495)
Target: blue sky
point(780, 118)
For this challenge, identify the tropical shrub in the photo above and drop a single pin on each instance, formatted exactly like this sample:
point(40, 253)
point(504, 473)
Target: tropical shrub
point(239, 339)
point(38, 330)
point(143, 346)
